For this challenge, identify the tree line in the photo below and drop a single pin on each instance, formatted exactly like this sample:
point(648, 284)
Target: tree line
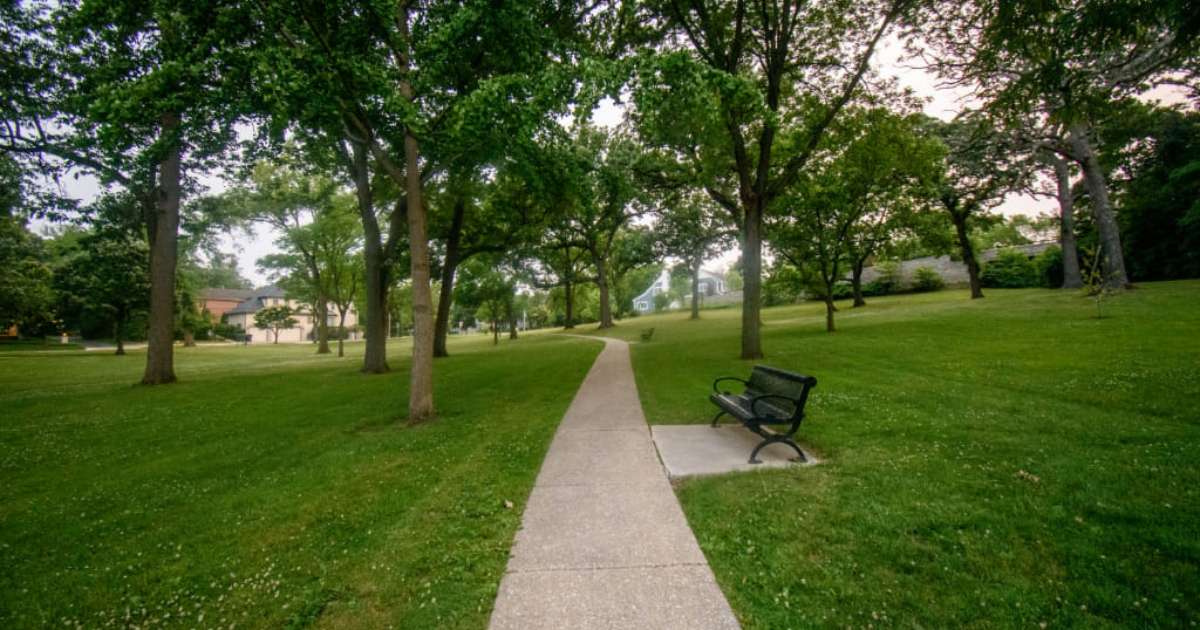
point(424, 139)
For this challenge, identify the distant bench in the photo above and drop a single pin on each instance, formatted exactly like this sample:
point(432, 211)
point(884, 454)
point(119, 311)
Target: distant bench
point(771, 396)
point(647, 334)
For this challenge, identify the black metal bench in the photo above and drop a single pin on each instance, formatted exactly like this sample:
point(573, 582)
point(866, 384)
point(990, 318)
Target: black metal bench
point(771, 396)
point(647, 334)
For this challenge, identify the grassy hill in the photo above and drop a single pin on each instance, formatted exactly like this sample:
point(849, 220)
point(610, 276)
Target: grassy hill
point(1005, 462)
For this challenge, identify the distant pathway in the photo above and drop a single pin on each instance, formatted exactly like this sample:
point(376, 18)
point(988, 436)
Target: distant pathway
point(603, 542)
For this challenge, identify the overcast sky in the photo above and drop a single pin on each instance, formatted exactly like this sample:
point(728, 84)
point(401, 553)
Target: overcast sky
point(940, 102)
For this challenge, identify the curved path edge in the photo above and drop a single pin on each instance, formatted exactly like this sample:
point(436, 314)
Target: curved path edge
point(603, 541)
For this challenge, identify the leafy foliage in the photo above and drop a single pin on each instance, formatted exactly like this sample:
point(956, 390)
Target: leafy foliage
point(1011, 270)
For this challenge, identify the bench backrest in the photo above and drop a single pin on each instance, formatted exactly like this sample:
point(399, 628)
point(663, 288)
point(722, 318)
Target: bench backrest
point(768, 380)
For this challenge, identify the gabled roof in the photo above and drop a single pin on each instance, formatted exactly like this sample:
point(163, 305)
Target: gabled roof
point(226, 294)
point(254, 303)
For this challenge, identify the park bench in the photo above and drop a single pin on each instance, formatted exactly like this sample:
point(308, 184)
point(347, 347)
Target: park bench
point(647, 334)
point(770, 396)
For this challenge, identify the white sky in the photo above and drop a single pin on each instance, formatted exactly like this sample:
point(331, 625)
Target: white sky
point(940, 102)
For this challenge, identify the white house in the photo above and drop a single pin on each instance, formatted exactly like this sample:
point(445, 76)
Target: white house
point(242, 316)
point(711, 284)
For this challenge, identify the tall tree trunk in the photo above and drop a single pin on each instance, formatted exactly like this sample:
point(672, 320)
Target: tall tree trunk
point(606, 320)
point(512, 325)
point(1106, 221)
point(830, 309)
point(752, 282)
point(276, 336)
point(420, 393)
point(968, 252)
point(118, 335)
point(163, 233)
point(696, 291)
point(322, 315)
point(189, 339)
point(375, 352)
point(442, 326)
point(569, 294)
point(1066, 235)
point(341, 332)
point(495, 332)
point(856, 273)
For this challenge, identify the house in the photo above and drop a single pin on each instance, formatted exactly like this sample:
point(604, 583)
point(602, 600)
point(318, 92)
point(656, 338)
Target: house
point(242, 316)
point(218, 302)
point(711, 284)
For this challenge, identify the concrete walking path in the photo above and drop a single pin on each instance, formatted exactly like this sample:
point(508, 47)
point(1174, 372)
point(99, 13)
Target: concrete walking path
point(603, 542)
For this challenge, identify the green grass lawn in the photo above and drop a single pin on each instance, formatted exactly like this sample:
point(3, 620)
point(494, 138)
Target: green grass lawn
point(1004, 462)
point(270, 487)
point(37, 345)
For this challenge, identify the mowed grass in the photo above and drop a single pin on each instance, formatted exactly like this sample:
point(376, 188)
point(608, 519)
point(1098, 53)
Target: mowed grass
point(1006, 462)
point(270, 487)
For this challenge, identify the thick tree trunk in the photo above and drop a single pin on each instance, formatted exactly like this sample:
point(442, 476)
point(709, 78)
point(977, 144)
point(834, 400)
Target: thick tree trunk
point(189, 339)
point(696, 291)
point(445, 294)
point(375, 352)
point(512, 326)
point(119, 336)
point(163, 232)
point(420, 393)
point(276, 336)
point(1072, 279)
point(606, 320)
point(752, 282)
point(1106, 221)
point(968, 253)
point(856, 282)
point(569, 295)
point(495, 333)
point(830, 309)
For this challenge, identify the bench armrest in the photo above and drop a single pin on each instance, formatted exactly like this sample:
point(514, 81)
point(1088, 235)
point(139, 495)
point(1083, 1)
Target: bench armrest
point(757, 399)
point(728, 378)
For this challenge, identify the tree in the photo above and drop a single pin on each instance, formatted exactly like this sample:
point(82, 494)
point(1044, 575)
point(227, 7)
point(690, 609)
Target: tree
point(692, 229)
point(290, 202)
point(1064, 194)
point(744, 93)
point(1067, 62)
point(489, 292)
point(601, 200)
point(135, 93)
point(275, 319)
point(872, 168)
point(219, 271)
point(107, 276)
point(410, 88)
point(629, 267)
point(1153, 154)
point(26, 296)
point(981, 167)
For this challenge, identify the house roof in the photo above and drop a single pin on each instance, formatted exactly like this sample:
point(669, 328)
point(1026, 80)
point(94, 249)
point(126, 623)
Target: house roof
point(254, 303)
point(226, 294)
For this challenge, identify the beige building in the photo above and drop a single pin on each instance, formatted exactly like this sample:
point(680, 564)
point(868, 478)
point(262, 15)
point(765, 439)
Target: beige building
point(305, 329)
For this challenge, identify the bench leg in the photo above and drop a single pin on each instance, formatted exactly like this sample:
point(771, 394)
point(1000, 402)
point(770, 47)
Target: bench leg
point(776, 439)
point(717, 418)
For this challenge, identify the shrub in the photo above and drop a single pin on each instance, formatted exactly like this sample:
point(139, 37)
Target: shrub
point(926, 279)
point(875, 288)
point(842, 290)
point(1049, 265)
point(1010, 270)
point(889, 276)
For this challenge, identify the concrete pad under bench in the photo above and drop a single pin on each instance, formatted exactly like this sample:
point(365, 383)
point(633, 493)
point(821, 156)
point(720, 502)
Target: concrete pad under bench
point(687, 450)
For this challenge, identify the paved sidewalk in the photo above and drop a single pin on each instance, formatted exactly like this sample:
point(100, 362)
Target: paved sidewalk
point(603, 542)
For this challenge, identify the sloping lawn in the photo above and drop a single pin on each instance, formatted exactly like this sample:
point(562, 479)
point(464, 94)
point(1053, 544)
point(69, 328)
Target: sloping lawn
point(1007, 462)
point(270, 487)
